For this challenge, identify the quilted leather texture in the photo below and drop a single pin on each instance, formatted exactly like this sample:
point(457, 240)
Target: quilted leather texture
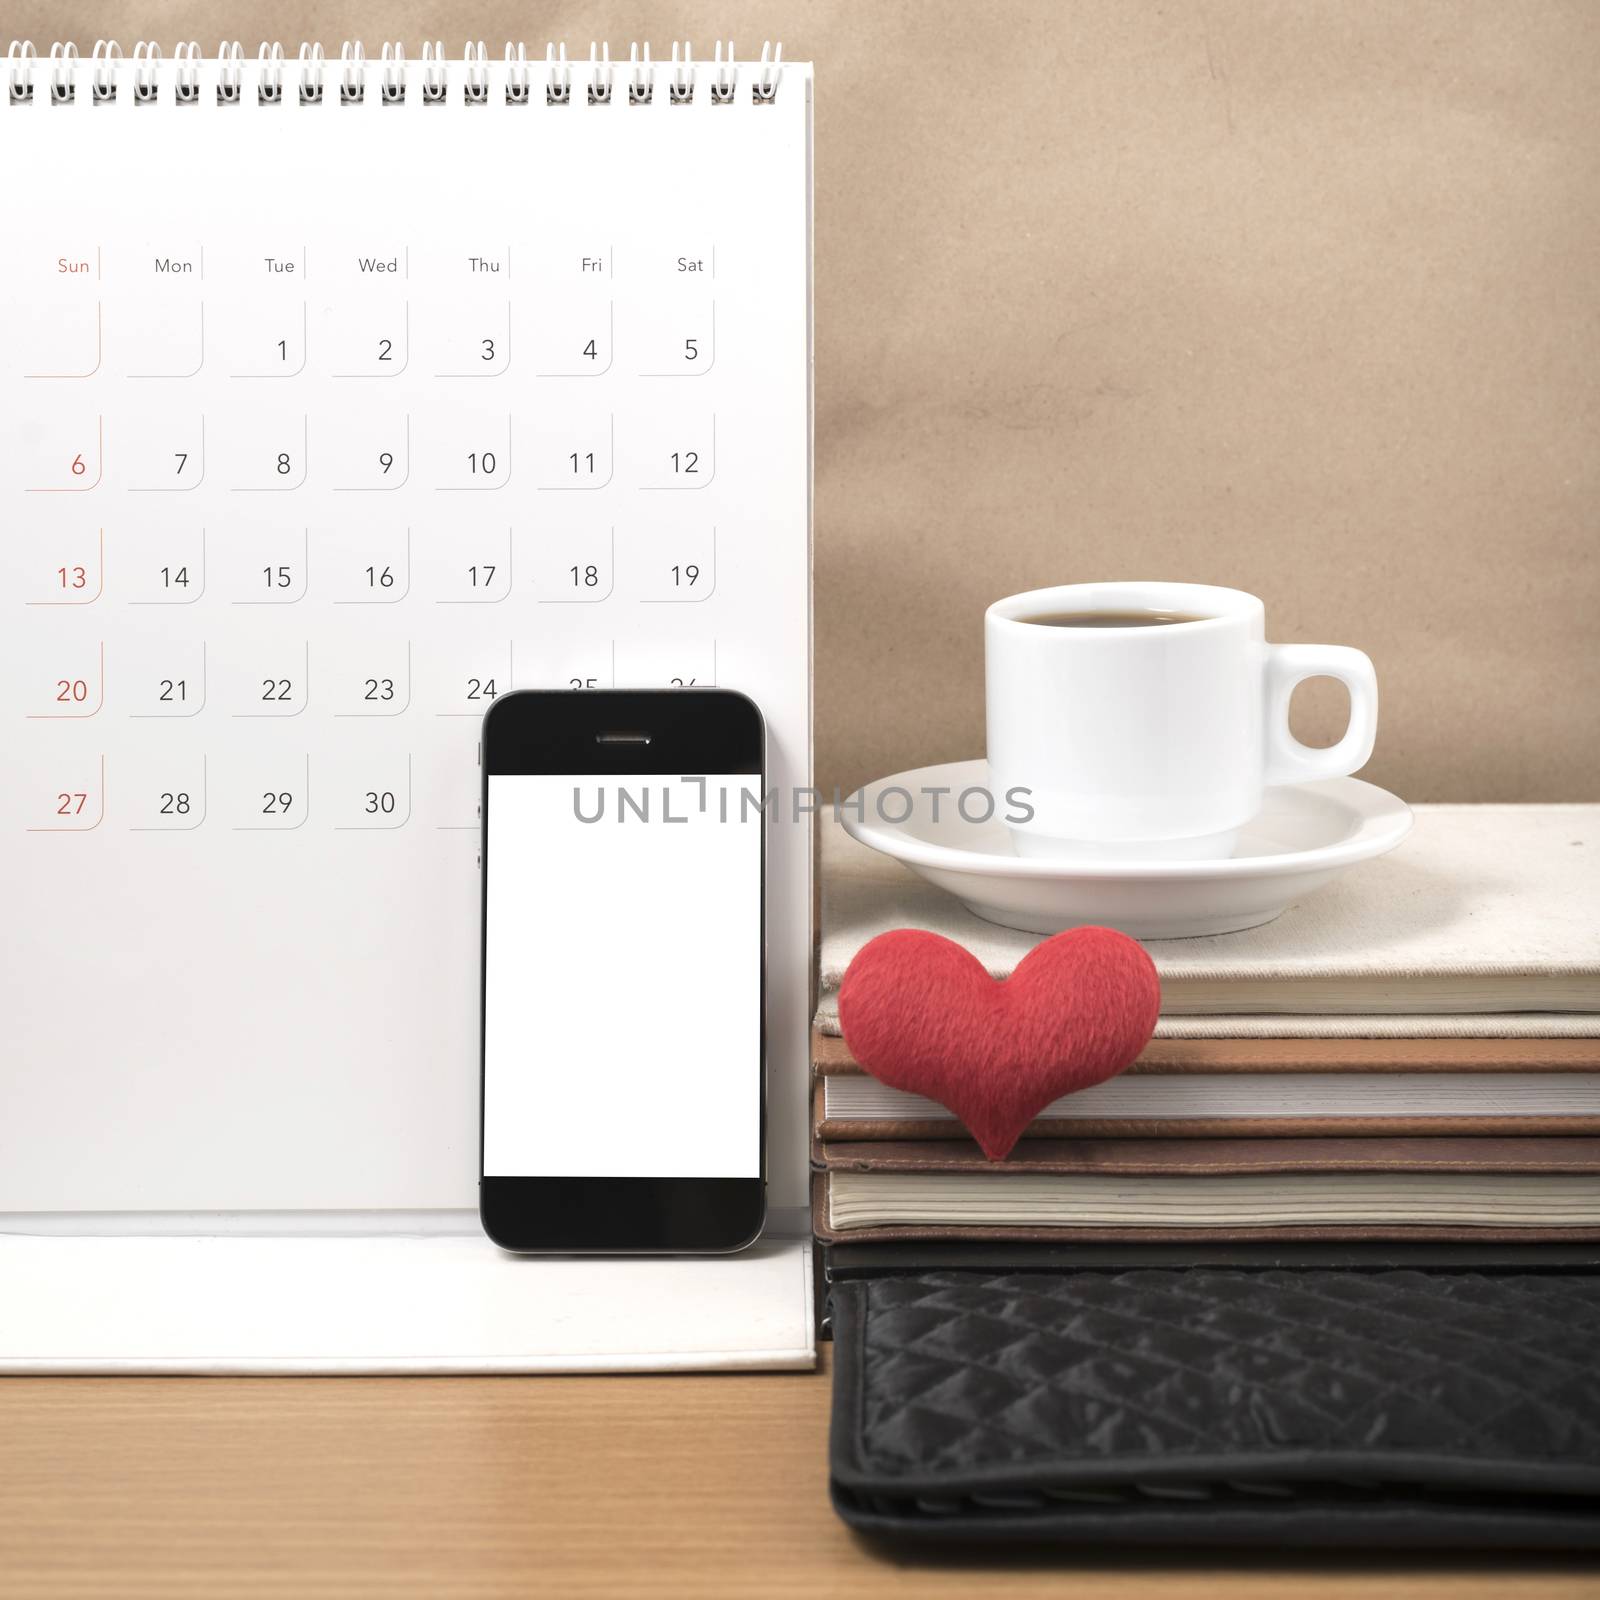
point(1417, 1406)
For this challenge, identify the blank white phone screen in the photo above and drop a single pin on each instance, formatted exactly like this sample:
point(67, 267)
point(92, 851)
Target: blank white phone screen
point(622, 1003)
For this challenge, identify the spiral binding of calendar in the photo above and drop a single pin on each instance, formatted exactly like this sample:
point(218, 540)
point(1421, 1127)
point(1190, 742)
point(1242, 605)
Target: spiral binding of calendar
point(308, 76)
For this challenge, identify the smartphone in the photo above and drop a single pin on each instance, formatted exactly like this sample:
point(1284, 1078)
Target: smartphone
point(623, 1073)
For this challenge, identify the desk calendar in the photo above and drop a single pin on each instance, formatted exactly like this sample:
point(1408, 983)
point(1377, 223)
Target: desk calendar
point(337, 400)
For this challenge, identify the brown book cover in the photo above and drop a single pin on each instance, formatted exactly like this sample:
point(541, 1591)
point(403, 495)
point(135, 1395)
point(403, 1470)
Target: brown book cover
point(1223, 1158)
point(1265, 1059)
point(831, 1055)
point(1232, 1157)
point(1282, 1233)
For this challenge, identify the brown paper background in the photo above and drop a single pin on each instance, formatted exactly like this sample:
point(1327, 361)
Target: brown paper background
point(1301, 297)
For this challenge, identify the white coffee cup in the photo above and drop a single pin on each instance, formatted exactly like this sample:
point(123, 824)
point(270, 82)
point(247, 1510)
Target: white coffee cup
point(1153, 741)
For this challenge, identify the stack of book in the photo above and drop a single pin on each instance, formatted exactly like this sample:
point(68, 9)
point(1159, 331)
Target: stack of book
point(1412, 1054)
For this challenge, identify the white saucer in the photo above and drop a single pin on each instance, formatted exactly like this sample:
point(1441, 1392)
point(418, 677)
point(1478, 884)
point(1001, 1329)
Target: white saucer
point(1305, 834)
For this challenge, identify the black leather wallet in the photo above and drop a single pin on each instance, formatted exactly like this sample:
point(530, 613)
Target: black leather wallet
point(1211, 1406)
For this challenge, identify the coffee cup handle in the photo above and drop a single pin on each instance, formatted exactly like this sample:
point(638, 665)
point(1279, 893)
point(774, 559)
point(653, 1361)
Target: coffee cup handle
point(1290, 761)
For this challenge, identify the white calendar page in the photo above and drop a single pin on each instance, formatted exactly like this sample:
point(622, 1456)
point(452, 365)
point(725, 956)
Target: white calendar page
point(322, 425)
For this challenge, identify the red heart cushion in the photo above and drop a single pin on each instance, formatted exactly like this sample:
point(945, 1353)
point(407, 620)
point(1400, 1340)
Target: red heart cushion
point(919, 1013)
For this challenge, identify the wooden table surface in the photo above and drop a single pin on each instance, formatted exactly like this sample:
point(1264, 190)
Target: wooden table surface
point(693, 1486)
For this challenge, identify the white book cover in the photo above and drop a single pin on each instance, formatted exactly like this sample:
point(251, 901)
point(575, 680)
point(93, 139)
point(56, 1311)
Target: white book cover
point(1486, 909)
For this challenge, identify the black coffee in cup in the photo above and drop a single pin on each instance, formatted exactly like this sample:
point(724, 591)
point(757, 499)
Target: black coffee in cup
point(1111, 619)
